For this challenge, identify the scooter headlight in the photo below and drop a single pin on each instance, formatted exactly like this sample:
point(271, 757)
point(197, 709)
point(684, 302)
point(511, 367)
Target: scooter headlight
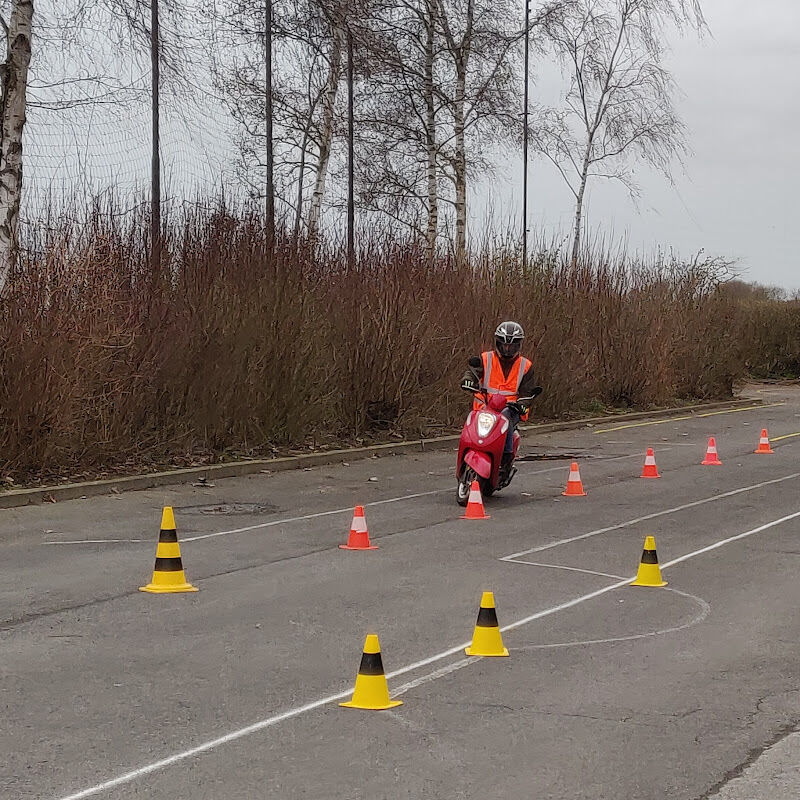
point(486, 422)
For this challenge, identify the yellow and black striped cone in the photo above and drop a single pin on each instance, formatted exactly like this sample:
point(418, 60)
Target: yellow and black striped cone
point(486, 638)
point(168, 574)
point(371, 692)
point(649, 572)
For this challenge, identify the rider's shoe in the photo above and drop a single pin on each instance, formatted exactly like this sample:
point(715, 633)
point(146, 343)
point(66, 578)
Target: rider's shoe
point(507, 470)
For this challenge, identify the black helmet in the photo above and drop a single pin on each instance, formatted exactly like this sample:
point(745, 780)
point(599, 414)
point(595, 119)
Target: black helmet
point(508, 339)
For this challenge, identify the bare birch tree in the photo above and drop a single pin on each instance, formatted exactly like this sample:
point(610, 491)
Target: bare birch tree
point(618, 107)
point(444, 91)
point(398, 126)
point(13, 97)
point(444, 86)
point(310, 42)
point(480, 92)
point(335, 14)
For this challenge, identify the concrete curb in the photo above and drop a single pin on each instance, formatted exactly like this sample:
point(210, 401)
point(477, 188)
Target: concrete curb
point(71, 491)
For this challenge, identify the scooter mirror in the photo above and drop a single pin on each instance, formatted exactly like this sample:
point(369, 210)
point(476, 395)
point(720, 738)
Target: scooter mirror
point(475, 362)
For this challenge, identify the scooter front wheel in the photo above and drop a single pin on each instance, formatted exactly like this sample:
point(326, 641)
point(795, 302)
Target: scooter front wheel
point(464, 484)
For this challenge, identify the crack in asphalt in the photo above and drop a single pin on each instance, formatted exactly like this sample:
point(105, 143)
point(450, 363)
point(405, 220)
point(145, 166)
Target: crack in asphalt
point(779, 733)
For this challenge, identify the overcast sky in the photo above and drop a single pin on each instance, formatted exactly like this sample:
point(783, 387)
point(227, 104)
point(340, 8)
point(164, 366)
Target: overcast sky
point(740, 98)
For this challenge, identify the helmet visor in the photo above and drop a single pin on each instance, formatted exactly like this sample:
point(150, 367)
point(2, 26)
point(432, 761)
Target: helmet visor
point(508, 349)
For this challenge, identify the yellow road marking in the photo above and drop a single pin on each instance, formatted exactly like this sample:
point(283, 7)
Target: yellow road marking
point(786, 436)
point(688, 416)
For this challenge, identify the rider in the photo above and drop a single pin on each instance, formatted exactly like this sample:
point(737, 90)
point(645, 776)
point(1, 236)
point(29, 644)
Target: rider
point(505, 371)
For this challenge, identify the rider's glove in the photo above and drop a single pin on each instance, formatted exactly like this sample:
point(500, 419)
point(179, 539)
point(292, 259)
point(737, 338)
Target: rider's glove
point(469, 385)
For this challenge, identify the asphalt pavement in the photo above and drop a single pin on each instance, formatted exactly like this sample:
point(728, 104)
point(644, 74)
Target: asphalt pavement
point(685, 692)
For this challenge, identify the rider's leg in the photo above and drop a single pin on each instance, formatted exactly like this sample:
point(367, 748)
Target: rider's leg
point(513, 420)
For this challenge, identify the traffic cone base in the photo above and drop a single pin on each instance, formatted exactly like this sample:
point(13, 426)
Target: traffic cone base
point(152, 588)
point(764, 447)
point(359, 535)
point(712, 457)
point(371, 691)
point(371, 694)
point(486, 638)
point(649, 573)
point(168, 574)
point(574, 484)
point(650, 469)
point(475, 508)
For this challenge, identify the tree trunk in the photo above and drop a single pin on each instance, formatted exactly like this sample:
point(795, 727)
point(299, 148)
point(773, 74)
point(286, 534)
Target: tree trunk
point(461, 54)
point(298, 216)
point(351, 197)
point(14, 78)
point(576, 235)
point(338, 44)
point(268, 111)
point(430, 136)
point(155, 156)
point(460, 164)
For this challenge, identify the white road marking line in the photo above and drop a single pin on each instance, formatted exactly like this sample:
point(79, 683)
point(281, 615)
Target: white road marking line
point(205, 747)
point(432, 676)
point(570, 569)
point(99, 541)
point(730, 539)
point(270, 524)
point(212, 744)
point(275, 522)
point(647, 517)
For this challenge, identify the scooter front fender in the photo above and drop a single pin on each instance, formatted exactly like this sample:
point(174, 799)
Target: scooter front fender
point(480, 462)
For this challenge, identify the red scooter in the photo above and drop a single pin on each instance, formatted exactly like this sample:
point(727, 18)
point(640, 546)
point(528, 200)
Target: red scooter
point(483, 440)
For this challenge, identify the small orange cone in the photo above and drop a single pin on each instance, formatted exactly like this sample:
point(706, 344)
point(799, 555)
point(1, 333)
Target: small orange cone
point(574, 485)
point(359, 535)
point(764, 445)
point(712, 458)
point(475, 503)
point(650, 469)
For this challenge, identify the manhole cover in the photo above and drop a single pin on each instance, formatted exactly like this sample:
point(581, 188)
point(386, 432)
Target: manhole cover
point(228, 509)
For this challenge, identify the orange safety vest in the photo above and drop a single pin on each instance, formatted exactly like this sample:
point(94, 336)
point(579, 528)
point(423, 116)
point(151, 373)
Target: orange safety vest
point(495, 382)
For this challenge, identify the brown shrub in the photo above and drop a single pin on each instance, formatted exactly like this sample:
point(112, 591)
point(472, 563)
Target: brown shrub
point(237, 348)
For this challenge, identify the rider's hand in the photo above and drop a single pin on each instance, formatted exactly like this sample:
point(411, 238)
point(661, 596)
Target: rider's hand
point(469, 385)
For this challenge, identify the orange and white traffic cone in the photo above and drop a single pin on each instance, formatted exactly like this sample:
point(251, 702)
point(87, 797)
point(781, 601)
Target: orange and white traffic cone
point(650, 469)
point(475, 503)
point(764, 446)
point(574, 485)
point(359, 535)
point(712, 457)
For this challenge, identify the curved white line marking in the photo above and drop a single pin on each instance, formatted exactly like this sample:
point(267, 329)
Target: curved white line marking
point(705, 610)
